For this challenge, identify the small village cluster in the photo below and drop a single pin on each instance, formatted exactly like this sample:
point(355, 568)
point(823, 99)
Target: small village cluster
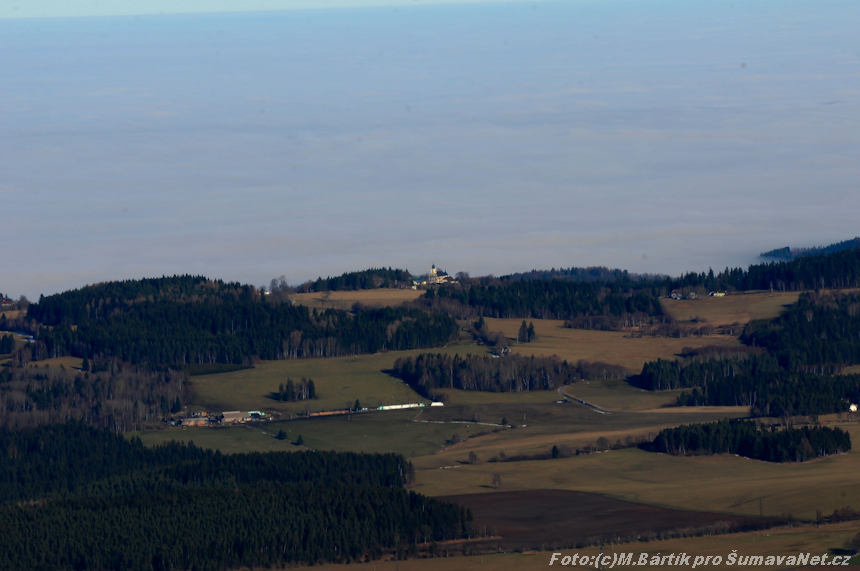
point(206, 418)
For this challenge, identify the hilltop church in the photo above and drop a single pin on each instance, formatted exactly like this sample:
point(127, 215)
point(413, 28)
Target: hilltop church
point(435, 277)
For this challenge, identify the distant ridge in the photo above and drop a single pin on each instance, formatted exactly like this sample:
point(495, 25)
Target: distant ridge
point(590, 274)
point(787, 253)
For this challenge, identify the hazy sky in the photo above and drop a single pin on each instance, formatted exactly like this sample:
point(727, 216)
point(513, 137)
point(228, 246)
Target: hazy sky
point(72, 8)
point(653, 136)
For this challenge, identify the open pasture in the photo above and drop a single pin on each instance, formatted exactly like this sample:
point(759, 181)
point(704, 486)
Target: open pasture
point(736, 308)
point(378, 431)
point(338, 382)
point(346, 299)
point(227, 439)
point(812, 539)
point(618, 395)
point(540, 427)
point(616, 347)
point(722, 483)
point(67, 362)
point(12, 314)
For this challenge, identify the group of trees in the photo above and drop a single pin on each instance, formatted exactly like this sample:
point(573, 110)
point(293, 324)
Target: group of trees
point(303, 389)
point(745, 438)
point(7, 344)
point(821, 332)
point(526, 334)
point(74, 497)
point(779, 394)
point(834, 269)
point(757, 382)
point(787, 253)
point(666, 374)
point(512, 373)
point(121, 398)
point(191, 320)
point(788, 367)
point(544, 299)
point(372, 278)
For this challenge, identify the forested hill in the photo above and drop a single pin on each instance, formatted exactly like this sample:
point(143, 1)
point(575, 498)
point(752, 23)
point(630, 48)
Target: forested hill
point(73, 497)
point(833, 270)
point(73, 459)
point(545, 299)
point(590, 274)
point(366, 279)
point(744, 438)
point(98, 301)
point(186, 320)
point(787, 253)
point(834, 266)
point(821, 332)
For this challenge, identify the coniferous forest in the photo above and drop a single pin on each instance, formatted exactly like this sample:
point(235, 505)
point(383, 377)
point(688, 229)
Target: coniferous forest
point(805, 349)
point(745, 438)
point(512, 373)
point(122, 397)
point(76, 497)
point(192, 320)
point(626, 303)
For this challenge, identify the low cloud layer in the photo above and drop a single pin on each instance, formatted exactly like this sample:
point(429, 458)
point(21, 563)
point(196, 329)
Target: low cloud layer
point(482, 138)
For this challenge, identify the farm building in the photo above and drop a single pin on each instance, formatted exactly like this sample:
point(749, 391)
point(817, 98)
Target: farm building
point(197, 421)
point(235, 416)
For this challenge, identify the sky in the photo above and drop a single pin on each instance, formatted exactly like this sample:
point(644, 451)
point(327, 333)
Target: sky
point(88, 8)
point(658, 136)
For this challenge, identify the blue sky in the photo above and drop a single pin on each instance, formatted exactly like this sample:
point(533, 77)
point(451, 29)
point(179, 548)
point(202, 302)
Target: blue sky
point(652, 136)
point(89, 8)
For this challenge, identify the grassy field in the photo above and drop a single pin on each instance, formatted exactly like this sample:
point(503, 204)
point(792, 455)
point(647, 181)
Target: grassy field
point(617, 394)
point(346, 299)
point(816, 540)
point(540, 427)
point(721, 483)
point(741, 308)
point(339, 382)
point(12, 314)
point(614, 347)
point(229, 439)
point(67, 362)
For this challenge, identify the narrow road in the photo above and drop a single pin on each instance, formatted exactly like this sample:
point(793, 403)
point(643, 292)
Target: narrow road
point(562, 393)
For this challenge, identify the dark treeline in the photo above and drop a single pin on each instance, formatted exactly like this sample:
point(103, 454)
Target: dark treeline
point(757, 382)
point(303, 389)
point(121, 398)
point(7, 344)
point(229, 325)
point(664, 374)
point(96, 302)
point(779, 393)
point(745, 438)
point(265, 526)
point(75, 459)
point(81, 498)
point(820, 333)
point(368, 279)
point(835, 270)
point(626, 303)
point(787, 253)
point(591, 274)
point(512, 373)
point(835, 266)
